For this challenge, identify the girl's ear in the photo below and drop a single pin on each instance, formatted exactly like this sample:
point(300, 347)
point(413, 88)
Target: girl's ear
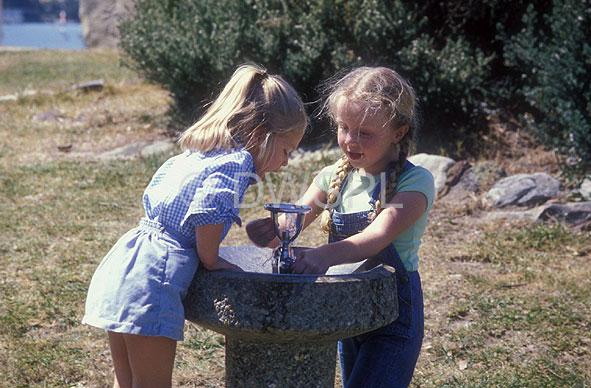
point(400, 133)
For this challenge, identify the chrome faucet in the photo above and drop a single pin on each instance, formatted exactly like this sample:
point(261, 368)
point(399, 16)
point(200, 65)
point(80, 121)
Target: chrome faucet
point(283, 260)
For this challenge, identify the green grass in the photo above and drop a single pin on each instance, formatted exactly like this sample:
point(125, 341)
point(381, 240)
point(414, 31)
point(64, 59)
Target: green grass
point(505, 307)
point(521, 316)
point(57, 69)
point(34, 127)
point(58, 220)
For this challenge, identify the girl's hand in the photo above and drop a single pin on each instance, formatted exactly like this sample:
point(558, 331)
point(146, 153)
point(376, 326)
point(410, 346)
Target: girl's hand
point(311, 261)
point(262, 232)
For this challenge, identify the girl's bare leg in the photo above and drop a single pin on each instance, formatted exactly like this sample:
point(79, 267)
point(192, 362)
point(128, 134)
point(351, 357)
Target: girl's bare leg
point(142, 361)
point(151, 360)
point(123, 377)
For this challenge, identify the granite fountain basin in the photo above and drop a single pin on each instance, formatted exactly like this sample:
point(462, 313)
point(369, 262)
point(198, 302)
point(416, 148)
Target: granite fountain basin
point(281, 329)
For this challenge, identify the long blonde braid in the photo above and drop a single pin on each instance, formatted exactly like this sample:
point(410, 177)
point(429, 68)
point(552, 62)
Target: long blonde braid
point(334, 191)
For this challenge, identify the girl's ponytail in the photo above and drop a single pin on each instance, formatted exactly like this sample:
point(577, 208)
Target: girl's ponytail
point(252, 99)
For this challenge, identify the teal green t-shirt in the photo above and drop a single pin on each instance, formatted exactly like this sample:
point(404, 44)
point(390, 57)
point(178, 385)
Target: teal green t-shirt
point(356, 196)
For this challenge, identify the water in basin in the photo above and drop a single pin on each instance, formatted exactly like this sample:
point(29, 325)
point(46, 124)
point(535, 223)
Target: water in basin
point(249, 258)
point(260, 260)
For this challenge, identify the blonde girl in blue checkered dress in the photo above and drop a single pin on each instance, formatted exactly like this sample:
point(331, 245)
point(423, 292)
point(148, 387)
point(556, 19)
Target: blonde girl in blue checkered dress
point(137, 290)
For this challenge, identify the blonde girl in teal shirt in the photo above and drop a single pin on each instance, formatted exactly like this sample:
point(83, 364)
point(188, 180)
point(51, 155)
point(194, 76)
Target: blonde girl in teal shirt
point(375, 205)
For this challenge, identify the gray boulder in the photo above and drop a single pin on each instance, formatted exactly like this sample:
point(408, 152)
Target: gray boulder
point(523, 190)
point(473, 181)
point(436, 164)
point(571, 214)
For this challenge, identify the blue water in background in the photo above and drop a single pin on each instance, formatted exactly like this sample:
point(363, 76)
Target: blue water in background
point(43, 35)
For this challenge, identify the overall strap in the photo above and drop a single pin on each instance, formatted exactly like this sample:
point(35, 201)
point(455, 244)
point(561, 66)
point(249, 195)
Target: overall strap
point(377, 190)
point(335, 236)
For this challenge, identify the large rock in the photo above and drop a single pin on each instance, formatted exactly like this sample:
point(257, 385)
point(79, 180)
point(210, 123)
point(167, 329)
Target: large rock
point(523, 190)
point(473, 181)
point(100, 19)
point(572, 214)
point(436, 164)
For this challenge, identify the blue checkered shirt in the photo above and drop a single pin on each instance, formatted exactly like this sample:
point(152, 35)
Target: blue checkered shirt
point(194, 188)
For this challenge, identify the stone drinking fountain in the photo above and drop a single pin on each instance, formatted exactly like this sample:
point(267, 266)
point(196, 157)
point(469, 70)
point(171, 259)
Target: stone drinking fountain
point(281, 329)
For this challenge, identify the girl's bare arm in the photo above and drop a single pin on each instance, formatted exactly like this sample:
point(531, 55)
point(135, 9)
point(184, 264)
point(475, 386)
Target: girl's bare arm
point(389, 224)
point(208, 239)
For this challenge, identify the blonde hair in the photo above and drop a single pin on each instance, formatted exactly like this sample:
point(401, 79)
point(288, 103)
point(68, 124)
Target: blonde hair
point(379, 88)
point(251, 101)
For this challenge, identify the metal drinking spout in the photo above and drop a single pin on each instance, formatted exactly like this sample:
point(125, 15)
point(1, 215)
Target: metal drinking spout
point(285, 261)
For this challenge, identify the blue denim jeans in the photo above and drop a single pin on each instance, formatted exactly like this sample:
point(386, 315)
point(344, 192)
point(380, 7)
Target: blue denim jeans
point(385, 357)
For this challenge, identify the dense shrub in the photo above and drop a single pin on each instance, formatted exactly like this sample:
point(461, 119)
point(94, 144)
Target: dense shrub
point(191, 46)
point(464, 57)
point(553, 55)
point(447, 73)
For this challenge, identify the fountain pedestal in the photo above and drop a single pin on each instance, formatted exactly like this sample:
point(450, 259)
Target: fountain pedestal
point(269, 364)
point(281, 329)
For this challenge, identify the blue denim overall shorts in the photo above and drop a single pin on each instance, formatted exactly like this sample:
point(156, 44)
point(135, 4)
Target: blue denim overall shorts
point(385, 357)
point(139, 286)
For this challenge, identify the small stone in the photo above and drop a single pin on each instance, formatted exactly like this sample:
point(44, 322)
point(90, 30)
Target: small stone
point(585, 188)
point(65, 148)
point(51, 115)
point(96, 85)
point(462, 364)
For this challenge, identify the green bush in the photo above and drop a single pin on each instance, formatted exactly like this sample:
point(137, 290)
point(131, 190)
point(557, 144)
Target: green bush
point(448, 73)
point(553, 53)
point(186, 46)
point(190, 47)
point(464, 58)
